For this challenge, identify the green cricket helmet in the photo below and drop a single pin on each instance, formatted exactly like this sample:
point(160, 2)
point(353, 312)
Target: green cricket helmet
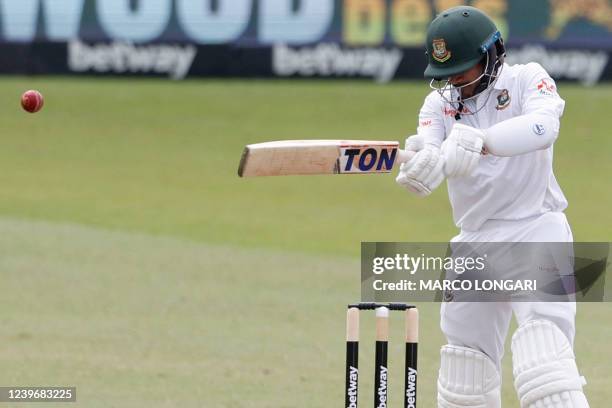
point(458, 39)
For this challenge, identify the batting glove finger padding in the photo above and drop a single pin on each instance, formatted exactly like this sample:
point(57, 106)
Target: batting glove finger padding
point(461, 150)
point(423, 173)
point(436, 175)
point(415, 143)
point(412, 185)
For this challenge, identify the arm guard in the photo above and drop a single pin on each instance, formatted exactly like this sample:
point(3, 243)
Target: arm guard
point(538, 126)
point(522, 134)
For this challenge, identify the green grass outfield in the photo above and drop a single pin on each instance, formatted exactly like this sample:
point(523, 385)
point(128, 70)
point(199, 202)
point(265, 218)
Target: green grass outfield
point(138, 267)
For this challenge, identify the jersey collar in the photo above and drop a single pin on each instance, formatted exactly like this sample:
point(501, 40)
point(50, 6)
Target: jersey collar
point(500, 84)
point(502, 81)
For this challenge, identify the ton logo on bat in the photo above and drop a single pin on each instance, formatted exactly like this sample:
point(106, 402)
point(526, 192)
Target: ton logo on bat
point(357, 159)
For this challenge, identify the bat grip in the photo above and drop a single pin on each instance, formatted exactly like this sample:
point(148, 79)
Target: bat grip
point(405, 155)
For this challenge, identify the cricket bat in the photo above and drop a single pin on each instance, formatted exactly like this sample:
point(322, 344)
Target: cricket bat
point(303, 157)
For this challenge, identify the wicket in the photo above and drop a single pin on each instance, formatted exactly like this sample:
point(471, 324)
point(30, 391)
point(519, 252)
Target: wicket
point(382, 339)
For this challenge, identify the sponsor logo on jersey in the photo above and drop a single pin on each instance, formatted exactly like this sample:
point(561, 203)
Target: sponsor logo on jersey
point(453, 112)
point(363, 159)
point(440, 52)
point(538, 129)
point(425, 122)
point(546, 88)
point(503, 100)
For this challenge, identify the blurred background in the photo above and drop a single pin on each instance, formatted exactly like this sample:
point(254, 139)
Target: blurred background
point(137, 266)
point(376, 39)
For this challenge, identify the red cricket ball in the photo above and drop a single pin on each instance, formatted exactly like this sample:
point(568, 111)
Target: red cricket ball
point(32, 101)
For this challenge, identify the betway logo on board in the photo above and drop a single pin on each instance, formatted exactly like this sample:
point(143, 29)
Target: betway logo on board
point(123, 57)
point(330, 60)
point(583, 65)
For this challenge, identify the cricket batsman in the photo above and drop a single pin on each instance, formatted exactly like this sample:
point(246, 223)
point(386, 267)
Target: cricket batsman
point(489, 128)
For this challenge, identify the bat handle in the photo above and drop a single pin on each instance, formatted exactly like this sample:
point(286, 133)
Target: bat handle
point(405, 155)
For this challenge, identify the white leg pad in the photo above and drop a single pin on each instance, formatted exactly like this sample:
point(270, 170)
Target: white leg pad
point(545, 371)
point(467, 378)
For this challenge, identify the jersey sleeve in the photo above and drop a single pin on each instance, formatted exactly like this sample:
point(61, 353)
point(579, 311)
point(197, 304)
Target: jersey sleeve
point(431, 121)
point(539, 92)
point(538, 125)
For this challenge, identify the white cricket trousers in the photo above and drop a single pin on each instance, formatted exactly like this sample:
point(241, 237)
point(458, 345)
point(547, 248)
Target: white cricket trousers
point(484, 325)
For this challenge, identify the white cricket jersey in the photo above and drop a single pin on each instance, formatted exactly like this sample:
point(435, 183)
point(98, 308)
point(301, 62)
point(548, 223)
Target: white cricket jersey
point(500, 188)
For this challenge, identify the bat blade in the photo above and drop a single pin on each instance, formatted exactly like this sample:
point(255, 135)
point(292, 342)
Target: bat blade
point(304, 157)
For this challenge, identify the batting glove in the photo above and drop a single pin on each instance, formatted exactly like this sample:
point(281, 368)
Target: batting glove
point(424, 172)
point(461, 150)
